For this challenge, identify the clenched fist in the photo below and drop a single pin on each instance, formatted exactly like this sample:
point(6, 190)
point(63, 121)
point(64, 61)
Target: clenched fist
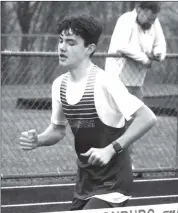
point(99, 156)
point(29, 140)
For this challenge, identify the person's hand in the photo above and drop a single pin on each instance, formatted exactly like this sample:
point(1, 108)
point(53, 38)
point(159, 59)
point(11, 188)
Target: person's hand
point(119, 54)
point(29, 140)
point(99, 156)
point(157, 56)
point(150, 56)
point(148, 63)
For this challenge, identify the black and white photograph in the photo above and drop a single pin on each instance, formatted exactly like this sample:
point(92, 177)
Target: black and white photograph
point(89, 106)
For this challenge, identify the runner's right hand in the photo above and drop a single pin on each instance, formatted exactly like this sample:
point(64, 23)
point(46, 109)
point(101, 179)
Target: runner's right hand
point(29, 140)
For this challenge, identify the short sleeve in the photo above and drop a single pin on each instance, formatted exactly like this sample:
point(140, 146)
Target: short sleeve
point(57, 117)
point(123, 102)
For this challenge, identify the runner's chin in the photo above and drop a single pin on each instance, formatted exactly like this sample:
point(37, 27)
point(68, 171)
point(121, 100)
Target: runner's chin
point(63, 62)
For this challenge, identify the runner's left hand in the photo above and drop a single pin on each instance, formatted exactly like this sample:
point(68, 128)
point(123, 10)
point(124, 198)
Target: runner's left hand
point(99, 156)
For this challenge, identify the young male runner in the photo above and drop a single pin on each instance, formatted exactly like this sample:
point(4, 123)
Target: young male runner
point(95, 105)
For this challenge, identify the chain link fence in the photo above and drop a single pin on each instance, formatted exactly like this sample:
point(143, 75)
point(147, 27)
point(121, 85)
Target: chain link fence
point(26, 103)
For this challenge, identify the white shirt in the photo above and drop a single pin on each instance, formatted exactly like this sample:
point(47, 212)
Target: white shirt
point(113, 102)
point(130, 38)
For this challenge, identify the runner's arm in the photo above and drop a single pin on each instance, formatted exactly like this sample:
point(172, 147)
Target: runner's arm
point(131, 108)
point(52, 135)
point(56, 130)
point(143, 120)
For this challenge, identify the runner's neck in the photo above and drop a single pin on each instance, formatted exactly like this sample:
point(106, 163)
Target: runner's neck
point(81, 71)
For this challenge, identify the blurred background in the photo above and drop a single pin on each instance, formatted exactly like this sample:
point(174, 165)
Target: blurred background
point(26, 86)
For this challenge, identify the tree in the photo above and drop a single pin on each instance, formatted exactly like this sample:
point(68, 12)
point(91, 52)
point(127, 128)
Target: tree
point(40, 17)
point(25, 11)
point(4, 66)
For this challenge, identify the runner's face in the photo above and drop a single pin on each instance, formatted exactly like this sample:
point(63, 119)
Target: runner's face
point(71, 49)
point(146, 18)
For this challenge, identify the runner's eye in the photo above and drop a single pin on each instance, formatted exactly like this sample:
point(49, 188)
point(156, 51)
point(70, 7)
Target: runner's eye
point(72, 43)
point(60, 40)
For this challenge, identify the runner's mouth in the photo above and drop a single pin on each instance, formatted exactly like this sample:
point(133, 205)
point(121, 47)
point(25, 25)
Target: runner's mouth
point(62, 56)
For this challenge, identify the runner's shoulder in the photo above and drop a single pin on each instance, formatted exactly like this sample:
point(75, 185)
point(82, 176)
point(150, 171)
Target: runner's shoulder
point(102, 77)
point(58, 80)
point(108, 80)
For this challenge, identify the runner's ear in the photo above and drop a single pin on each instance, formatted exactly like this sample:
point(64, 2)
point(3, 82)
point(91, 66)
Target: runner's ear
point(91, 49)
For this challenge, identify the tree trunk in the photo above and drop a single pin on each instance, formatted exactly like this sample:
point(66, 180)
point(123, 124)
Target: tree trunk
point(5, 78)
point(24, 17)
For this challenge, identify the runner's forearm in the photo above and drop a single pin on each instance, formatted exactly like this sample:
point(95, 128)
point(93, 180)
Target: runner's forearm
point(143, 121)
point(51, 135)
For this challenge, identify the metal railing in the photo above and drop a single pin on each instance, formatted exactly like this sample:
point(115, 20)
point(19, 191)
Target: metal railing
point(26, 103)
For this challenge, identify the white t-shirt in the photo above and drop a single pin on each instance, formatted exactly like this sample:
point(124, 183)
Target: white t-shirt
point(113, 102)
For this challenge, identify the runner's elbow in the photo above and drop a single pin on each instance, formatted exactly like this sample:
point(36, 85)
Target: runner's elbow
point(150, 117)
point(146, 115)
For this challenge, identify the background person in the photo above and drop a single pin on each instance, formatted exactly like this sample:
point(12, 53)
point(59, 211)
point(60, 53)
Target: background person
point(139, 38)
